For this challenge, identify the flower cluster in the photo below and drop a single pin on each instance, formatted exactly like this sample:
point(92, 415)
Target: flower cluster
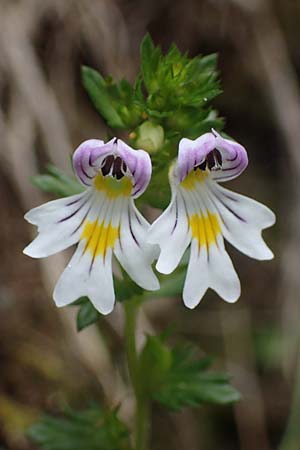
point(104, 221)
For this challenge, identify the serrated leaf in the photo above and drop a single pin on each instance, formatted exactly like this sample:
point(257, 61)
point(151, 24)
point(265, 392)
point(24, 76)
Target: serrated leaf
point(98, 92)
point(91, 429)
point(188, 383)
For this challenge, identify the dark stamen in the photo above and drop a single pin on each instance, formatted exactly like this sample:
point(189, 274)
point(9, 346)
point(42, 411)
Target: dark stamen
point(213, 161)
point(114, 166)
point(202, 166)
point(107, 164)
point(210, 160)
point(117, 168)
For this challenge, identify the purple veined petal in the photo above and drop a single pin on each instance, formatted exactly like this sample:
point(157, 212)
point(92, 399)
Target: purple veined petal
point(59, 224)
point(139, 165)
point(234, 159)
point(243, 220)
point(193, 153)
point(84, 158)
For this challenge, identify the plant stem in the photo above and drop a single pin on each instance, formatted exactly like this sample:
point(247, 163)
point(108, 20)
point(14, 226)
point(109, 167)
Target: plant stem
point(142, 404)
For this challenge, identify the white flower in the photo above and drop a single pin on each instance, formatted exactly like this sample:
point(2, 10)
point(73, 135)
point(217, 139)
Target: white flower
point(103, 220)
point(202, 213)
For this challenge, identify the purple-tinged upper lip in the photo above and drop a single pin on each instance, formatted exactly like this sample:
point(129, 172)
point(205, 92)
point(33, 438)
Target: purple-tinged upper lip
point(88, 158)
point(193, 153)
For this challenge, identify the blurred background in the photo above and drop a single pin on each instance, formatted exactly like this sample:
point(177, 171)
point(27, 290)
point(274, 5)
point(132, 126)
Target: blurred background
point(44, 115)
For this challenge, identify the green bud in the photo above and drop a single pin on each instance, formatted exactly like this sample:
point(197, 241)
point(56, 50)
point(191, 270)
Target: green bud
point(150, 137)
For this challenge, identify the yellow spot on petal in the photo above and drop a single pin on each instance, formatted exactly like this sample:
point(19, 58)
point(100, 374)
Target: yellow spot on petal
point(193, 178)
point(205, 229)
point(112, 187)
point(99, 237)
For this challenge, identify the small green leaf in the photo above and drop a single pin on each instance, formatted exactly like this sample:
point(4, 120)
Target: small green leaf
point(91, 429)
point(98, 92)
point(86, 315)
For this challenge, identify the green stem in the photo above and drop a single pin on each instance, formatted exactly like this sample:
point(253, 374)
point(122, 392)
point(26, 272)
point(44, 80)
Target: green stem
point(142, 404)
point(142, 424)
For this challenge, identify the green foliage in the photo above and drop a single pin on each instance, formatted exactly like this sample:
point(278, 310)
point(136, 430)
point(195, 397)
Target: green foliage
point(120, 104)
point(57, 182)
point(176, 378)
point(91, 429)
point(179, 90)
point(194, 81)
